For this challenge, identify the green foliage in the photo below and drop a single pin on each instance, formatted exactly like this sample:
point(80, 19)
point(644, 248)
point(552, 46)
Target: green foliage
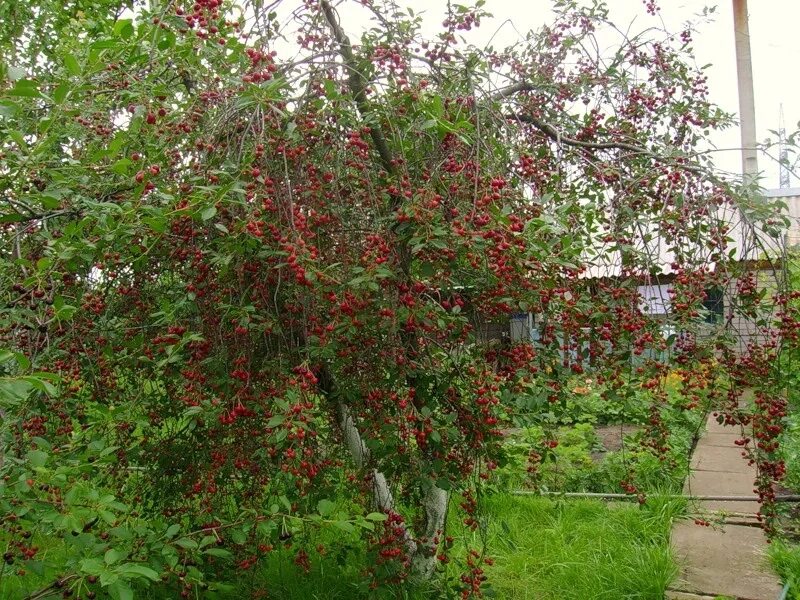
point(785, 559)
point(579, 463)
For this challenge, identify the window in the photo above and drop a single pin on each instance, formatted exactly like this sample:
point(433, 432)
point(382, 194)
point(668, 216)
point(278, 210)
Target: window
point(714, 305)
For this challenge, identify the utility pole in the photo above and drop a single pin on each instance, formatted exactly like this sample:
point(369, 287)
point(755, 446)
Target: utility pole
point(747, 107)
point(783, 153)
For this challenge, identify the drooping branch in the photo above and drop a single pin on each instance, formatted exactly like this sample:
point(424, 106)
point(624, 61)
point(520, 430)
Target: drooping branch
point(550, 131)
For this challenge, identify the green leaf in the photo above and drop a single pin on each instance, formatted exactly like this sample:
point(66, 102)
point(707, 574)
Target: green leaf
point(220, 552)
point(72, 64)
point(60, 93)
point(26, 89)
point(123, 28)
point(37, 458)
point(13, 390)
point(103, 44)
point(107, 516)
point(137, 569)
point(345, 526)
point(376, 516)
point(40, 383)
point(8, 109)
point(157, 224)
point(172, 530)
point(122, 166)
point(325, 507)
point(112, 556)
point(92, 566)
point(330, 89)
point(119, 590)
point(208, 213)
point(444, 484)
point(42, 443)
point(65, 312)
point(275, 421)
point(167, 40)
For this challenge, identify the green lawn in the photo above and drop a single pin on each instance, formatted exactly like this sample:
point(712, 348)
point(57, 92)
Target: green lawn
point(542, 549)
point(580, 549)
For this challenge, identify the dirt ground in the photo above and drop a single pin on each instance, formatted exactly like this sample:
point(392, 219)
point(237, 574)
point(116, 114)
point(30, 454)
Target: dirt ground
point(610, 437)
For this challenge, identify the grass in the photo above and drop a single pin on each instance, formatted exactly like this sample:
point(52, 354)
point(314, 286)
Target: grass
point(785, 560)
point(542, 549)
point(580, 549)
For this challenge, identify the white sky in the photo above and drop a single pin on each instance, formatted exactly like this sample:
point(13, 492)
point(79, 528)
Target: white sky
point(774, 44)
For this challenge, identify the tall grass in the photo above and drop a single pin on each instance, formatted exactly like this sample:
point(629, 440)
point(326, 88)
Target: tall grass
point(542, 549)
point(580, 549)
point(785, 559)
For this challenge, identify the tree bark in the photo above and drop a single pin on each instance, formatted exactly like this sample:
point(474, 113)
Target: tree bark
point(434, 503)
point(422, 549)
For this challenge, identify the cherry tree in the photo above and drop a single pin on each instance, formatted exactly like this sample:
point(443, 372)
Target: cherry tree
point(252, 260)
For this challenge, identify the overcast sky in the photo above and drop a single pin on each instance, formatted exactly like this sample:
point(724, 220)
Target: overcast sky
point(775, 48)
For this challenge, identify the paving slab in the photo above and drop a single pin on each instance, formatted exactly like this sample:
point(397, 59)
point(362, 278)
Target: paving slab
point(718, 439)
point(673, 595)
point(723, 483)
point(721, 459)
point(713, 427)
point(729, 561)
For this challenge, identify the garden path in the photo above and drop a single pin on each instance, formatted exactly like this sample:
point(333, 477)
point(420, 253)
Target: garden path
point(728, 558)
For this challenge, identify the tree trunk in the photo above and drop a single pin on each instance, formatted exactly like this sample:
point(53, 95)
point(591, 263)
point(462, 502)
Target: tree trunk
point(422, 550)
point(434, 502)
point(382, 497)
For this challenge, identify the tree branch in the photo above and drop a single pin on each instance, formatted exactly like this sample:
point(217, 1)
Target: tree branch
point(554, 134)
point(357, 84)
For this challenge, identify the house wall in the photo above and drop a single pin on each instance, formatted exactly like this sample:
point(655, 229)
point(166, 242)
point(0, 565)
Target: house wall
point(791, 196)
point(655, 301)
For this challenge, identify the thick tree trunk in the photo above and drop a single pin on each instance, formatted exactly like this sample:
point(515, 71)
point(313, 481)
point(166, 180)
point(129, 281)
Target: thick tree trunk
point(422, 549)
point(434, 503)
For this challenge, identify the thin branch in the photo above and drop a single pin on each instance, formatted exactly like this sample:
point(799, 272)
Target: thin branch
point(553, 133)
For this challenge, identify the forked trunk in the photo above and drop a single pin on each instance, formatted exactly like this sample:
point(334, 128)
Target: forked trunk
point(422, 548)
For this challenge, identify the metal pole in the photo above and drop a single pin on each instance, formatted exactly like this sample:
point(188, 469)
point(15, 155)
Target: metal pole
point(747, 105)
point(610, 496)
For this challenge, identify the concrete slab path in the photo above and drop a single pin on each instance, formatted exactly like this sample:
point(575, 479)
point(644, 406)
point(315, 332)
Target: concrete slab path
point(726, 560)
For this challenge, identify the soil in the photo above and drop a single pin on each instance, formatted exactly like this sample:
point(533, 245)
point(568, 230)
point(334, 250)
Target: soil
point(610, 437)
